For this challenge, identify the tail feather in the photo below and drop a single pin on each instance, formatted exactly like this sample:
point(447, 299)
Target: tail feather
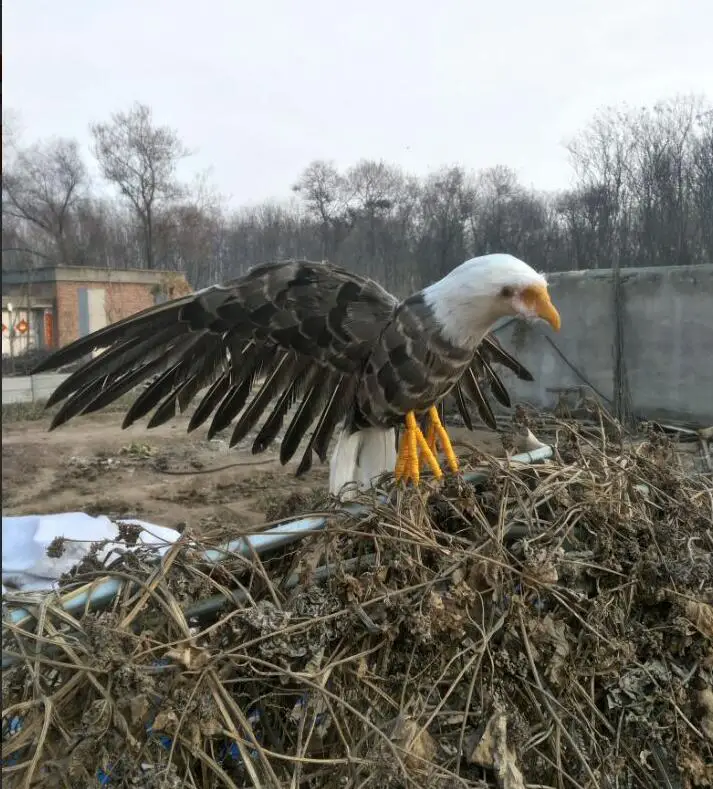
point(359, 458)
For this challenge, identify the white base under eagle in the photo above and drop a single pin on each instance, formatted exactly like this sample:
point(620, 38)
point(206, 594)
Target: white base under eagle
point(336, 343)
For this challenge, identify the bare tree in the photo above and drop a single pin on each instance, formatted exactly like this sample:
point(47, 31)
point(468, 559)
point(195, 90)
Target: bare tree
point(41, 188)
point(702, 184)
point(644, 167)
point(11, 129)
point(140, 159)
point(447, 203)
point(643, 195)
point(604, 157)
point(372, 192)
point(325, 193)
point(187, 233)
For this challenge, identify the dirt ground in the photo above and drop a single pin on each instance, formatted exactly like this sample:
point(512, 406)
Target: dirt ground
point(161, 475)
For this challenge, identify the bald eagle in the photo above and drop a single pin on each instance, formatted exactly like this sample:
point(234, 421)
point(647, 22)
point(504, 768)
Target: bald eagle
point(334, 343)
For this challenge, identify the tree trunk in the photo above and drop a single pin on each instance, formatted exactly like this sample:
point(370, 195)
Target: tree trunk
point(148, 238)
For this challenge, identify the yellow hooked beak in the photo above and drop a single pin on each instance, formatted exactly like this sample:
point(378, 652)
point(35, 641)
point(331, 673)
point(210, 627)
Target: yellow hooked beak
point(537, 300)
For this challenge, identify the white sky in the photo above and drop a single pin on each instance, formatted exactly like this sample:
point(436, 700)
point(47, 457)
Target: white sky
point(259, 89)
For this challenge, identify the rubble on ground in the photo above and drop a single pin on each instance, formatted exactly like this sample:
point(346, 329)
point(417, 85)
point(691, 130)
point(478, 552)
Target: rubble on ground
point(549, 625)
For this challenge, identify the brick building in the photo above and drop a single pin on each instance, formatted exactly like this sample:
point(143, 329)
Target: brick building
point(58, 304)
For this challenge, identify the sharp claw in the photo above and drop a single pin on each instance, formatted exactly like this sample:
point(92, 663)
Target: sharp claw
point(441, 435)
point(414, 448)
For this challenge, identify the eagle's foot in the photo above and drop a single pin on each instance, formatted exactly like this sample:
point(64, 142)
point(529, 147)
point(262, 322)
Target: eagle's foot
point(413, 447)
point(437, 434)
point(431, 437)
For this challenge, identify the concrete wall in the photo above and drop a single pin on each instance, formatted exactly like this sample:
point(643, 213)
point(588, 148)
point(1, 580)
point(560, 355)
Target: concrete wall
point(26, 388)
point(668, 341)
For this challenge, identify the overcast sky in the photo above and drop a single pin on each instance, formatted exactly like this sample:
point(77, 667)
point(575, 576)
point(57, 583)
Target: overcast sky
point(259, 89)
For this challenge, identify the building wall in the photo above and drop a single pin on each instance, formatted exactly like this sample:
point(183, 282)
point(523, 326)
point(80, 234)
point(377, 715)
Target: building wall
point(667, 341)
point(66, 302)
point(40, 297)
point(121, 299)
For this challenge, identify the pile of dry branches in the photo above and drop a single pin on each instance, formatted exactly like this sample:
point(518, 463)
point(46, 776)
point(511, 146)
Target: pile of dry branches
point(551, 626)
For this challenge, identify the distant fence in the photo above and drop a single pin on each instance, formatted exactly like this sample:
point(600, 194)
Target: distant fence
point(30, 388)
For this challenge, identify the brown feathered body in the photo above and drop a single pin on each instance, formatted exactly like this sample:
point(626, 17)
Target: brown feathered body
point(312, 334)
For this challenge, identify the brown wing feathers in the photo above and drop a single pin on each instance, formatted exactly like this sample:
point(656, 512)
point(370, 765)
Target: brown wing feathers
point(283, 382)
point(294, 332)
point(302, 328)
point(491, 350)
point(481, 373)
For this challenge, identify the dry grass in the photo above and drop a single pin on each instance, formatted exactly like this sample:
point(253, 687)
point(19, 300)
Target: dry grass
point(550, 627)
point(23, 412)
point(35, 410)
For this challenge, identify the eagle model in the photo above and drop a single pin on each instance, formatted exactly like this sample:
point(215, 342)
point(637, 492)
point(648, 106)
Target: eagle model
point(334, 343)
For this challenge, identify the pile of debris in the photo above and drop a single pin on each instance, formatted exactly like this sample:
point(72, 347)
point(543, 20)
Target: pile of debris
point(548, 625)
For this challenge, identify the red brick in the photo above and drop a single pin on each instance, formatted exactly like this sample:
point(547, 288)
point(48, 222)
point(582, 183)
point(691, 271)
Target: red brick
point(121, 299)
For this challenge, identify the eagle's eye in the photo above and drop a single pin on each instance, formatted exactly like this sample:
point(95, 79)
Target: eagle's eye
point(507, 292)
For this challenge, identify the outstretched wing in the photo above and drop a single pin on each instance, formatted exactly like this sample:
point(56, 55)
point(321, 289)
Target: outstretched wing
point(295, 331)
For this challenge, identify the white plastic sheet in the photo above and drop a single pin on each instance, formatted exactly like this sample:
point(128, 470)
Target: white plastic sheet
point(25, 539)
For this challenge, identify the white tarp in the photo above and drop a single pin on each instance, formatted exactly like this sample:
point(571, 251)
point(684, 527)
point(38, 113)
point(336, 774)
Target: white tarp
point(25, 540)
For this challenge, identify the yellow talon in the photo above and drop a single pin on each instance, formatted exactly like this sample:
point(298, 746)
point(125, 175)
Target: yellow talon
point(442, 435)
point(431, 437)
point(401, 459)
point(430, 440)
point(413, 446)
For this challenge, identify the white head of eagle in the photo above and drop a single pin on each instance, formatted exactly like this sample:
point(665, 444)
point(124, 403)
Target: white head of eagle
point(481, 291)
